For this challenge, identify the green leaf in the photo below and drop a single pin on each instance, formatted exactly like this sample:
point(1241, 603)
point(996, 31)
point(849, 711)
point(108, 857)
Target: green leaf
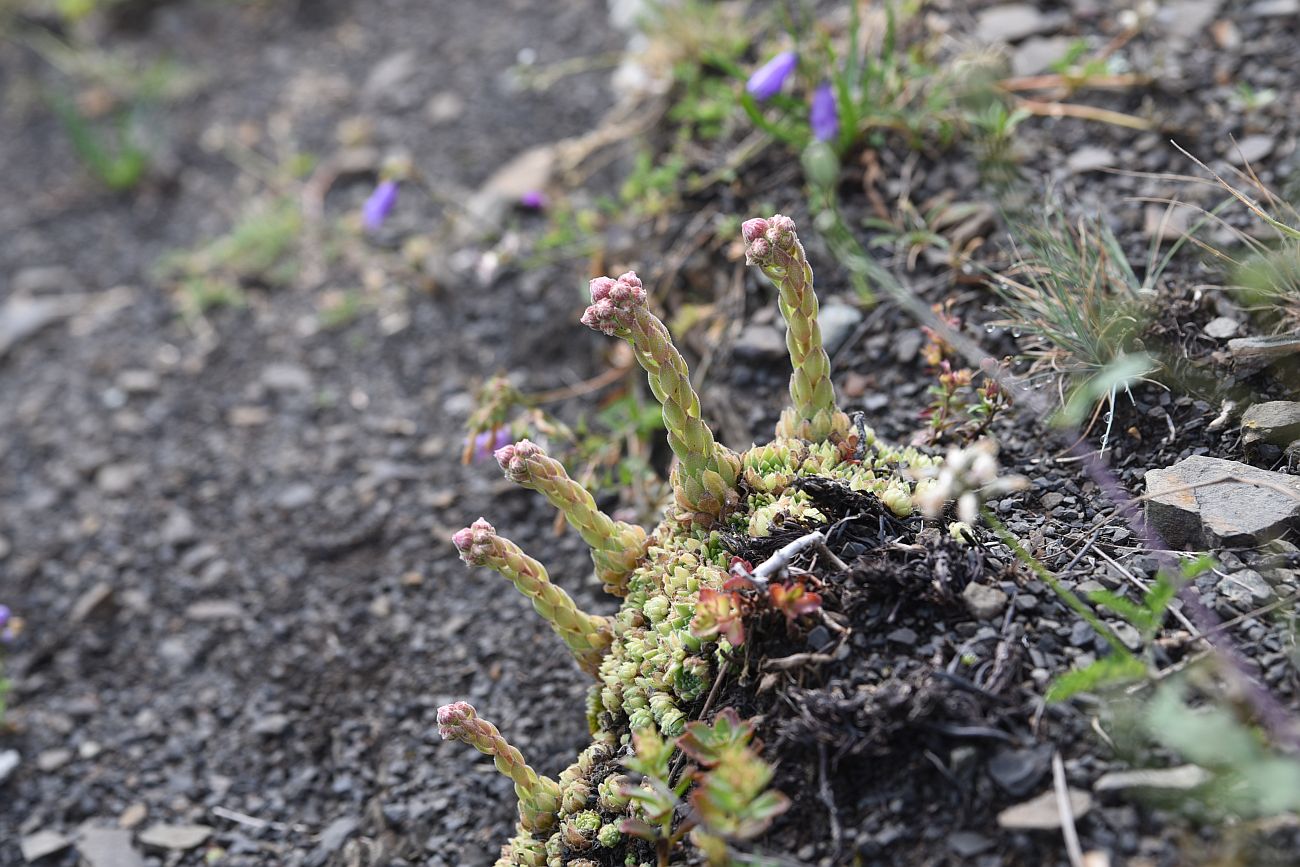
point(1115, 668)
point(1119, 374)
point(1126, 608)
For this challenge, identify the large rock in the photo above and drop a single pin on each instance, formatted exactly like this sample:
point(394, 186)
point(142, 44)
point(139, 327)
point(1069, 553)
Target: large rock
point(1277, 422)
point(1202, 502)
point(1255, 353)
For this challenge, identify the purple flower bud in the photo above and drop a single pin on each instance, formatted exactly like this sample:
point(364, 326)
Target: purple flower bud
point(379, 205)
point(822, 114)
point(768, 78)
point(5, 614)
point(533, 200)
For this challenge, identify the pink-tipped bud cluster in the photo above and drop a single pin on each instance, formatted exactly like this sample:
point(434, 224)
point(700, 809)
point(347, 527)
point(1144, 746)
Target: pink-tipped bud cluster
point(452, 716)
point(476, 542)
point(514, 459)
point(762, 237)
point(614, 303)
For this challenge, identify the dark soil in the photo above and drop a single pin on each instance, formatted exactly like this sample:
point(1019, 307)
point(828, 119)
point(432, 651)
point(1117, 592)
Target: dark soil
point(229, 538)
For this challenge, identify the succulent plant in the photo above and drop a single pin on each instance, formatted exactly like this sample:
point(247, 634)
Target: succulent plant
point(681, 614)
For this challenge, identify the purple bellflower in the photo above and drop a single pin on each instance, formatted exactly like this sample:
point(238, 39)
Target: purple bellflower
point(533, 200)
point(822, 114)
point(766, 81)
point(487, 442)
point(379, 205)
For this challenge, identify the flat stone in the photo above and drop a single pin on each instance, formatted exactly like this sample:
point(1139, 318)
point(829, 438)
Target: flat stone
point(214, 609)
point(837, 321)
point(1042, 813)
point(271, 724)
point(984, 603)
point(1089, 158)
point(1243, 505)
point(1245, 589)
point(527, 172)
point(116, 479)
point(22, 318)
point(295, 496)
point(37, 846)
point(1251, 149)
point(178, 529)
point(49, 761)
point(286, 377)
point(178, 837)
point(108, 847)
point(1274, 8)
point(1222, 327)
point(390, 74)
point(331, 839)
point(95, 603)
point(903, 635)
point(43, 279)
point(9, 762)
point(1038, 53)
point(759, 342)
point(133, 815)
point(1186, 19)
point(1018, 772)
point(138, 381)
point(444, 107)
point(1251, 353)
point(1276, 421)
point(968, 844)
point(1011, 22)
point(1179, 779)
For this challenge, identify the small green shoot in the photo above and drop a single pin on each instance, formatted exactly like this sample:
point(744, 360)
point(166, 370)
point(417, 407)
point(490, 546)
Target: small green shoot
point(257, 252)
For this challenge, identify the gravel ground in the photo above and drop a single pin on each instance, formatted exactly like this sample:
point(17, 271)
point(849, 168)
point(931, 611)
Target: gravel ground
point(228, 535)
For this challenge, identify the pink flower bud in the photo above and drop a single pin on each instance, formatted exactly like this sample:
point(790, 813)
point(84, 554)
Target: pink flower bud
point(781, 230)
point(752, 230)
point(514, 459)
point(475, 542)
point(452, 716)
point(600, 288)
point(602, 316)
point(757, 252)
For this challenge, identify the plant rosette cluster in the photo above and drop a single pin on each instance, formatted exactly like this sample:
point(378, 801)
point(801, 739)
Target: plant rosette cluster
point(685, 598)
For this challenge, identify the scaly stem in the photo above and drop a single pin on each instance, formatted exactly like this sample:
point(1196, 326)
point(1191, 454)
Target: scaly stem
point(539, 797)
point(587, 635)
point(774, 247)
point(616, 547)
point(704, 482)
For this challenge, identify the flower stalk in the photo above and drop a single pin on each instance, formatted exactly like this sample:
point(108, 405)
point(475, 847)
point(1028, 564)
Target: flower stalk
point(586, 635)
point(774, 247)
point(704, 481)
point(539, 797)
point(616, 547)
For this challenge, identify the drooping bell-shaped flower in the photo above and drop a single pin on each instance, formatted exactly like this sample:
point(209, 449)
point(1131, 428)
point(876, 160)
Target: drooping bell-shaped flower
point(380, 204)
point(766, 81)
point(823, 116)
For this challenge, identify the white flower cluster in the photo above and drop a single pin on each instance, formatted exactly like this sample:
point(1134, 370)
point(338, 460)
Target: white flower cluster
point(968, 476)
